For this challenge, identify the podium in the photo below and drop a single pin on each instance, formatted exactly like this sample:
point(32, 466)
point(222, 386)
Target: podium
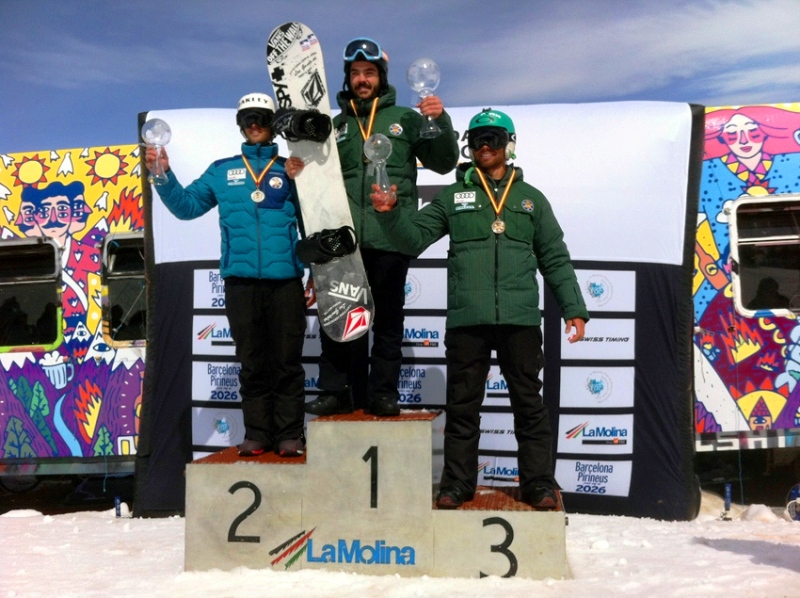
point(361, 500)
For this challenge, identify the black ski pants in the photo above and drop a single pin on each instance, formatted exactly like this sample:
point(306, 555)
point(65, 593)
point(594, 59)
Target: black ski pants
point(519, 354)
point(268, 323)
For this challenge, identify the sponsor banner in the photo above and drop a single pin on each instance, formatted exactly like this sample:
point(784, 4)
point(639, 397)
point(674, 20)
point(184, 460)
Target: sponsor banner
point(312, 378)
point(437, 251)
point(497, 388)
point(497, 471)
point(216, 381)
point(605, 340)
point(422, 384)
point(311, 346)
point(608, 290)
point(423, 337)
point(588, 476)
point(603, 387)
point(425, 288)
point(211, 335)
point(596, 434)
point(209, 289)
point(497, 432)
point(214, 426)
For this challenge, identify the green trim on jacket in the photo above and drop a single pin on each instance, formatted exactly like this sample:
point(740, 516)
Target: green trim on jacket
point(401, 125)
point(491, 278)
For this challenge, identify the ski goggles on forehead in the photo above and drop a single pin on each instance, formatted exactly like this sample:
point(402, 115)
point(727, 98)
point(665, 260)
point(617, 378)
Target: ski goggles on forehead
point(369, 50)
point(493, 137)
point(248, 118)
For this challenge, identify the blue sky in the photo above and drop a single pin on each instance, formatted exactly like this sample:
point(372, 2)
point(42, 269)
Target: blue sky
point(77, 73)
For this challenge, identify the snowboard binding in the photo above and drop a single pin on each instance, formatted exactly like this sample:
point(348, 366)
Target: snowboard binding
point(322, 247)
point(302, 125)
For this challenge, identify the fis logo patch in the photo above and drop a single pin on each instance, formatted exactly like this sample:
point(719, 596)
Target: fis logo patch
point(395, 129)
point(276, 182)
point(527, 205)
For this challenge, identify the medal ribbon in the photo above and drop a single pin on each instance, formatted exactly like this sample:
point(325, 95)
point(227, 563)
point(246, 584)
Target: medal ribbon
point(252, 172)
point(365, 134)
point(498, 207)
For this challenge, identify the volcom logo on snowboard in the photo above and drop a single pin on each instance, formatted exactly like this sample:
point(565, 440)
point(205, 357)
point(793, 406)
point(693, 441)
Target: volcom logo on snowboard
point(357, 322)
point(314, 90)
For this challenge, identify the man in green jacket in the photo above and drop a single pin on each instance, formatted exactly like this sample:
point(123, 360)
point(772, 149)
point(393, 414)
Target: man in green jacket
point(501, 231)
point(368, 107)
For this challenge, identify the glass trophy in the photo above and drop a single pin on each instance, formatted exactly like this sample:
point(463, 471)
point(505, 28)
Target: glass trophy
point(156, 133)
point(378, 148)
point(423, 77)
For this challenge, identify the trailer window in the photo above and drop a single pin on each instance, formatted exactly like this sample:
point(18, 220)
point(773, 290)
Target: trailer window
point(30, 297)
point(124, 308)
point(765, 251)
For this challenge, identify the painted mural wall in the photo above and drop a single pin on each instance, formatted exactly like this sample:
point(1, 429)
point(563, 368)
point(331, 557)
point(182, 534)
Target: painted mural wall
point(746, 369)
point(77, 395)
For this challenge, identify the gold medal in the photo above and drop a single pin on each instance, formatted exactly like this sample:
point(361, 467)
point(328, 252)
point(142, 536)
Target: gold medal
point(498, 226)
point(257, 196)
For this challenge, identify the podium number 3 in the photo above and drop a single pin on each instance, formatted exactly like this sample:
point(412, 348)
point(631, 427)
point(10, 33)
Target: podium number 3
point(371, 457)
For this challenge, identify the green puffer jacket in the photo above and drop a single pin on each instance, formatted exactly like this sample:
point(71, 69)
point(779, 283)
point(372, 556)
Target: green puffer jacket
point(401, 125)
point(491, 278)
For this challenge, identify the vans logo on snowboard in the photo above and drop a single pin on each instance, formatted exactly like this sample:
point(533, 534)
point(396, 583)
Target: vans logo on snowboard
point(281, 40)
point(347, 291)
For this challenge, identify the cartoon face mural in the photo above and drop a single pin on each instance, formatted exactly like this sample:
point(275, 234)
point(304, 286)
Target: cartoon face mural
point(80, 397)
point(746, 369)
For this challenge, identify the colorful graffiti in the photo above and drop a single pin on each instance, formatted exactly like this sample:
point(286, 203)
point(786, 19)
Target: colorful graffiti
point(746, 369)
point(80, 397)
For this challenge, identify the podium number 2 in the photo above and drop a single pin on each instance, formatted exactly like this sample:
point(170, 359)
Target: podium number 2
point(232, 535)
point(371, 457)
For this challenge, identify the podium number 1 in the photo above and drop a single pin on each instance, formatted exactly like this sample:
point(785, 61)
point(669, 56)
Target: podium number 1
point(371, 457)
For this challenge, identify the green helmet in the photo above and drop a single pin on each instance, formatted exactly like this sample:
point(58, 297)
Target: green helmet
point(492, 118)
point(492, 128)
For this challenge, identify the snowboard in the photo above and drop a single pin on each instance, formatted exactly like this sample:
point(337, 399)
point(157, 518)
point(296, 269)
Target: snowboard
point(344, 301)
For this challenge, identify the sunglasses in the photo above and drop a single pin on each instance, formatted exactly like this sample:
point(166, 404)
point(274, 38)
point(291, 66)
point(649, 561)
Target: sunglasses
point(493, 137)
point(369, 49)
point(248, 118)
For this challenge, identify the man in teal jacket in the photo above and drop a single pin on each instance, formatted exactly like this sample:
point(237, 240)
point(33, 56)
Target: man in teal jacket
point(368, 107)
point(501, 231)
point(258, 218)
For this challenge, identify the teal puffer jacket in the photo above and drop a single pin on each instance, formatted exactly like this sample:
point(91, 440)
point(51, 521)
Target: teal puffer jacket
point(401, 125)
point(491, 278)
point(257, 239)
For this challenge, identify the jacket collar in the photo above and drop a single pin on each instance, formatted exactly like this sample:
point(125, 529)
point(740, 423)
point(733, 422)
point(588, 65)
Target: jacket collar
point(254, 151)
point(389, 98)
point(465, 173)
